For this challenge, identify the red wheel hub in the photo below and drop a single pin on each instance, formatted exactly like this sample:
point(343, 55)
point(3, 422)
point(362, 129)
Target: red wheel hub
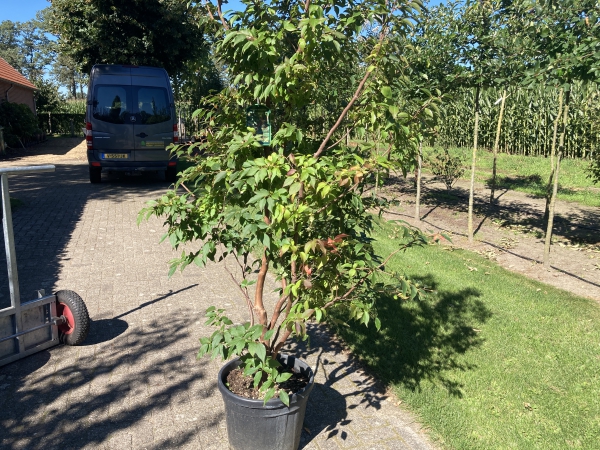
point(63, 310)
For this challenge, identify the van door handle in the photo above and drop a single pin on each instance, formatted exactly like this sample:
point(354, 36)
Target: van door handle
point(142, 135)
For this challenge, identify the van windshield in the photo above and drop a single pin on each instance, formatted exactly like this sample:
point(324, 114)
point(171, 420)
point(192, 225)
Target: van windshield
point(111, 104)
point(144, 105)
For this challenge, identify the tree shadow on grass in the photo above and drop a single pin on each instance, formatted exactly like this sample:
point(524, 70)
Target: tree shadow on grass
point(422, 340)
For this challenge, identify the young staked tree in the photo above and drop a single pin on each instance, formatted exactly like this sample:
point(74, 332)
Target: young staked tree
point(513, 59)
point(475, 30)
point(297, 203)
point(429, 52)
point(485, 51)
point(493, 182)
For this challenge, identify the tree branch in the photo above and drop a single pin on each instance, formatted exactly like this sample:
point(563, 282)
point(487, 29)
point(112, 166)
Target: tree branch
point(259, 306)
point(245, 294)
point(185, 187)
point(220, 12)
point(362, 280)
point(343, 114)
point(210, 14)
point(353, 188)
point(340, 140)
point(277, 309)
point(352, 100)
point(284, 337)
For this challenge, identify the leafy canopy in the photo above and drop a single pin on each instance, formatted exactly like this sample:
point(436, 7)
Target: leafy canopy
point(142, 32)
point(300, 204)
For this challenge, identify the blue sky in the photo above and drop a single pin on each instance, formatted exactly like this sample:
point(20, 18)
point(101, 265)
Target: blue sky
point(24, 10)
point(21, 10)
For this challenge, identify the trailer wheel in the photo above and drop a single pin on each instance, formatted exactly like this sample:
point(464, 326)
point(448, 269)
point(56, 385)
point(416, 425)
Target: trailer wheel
point(71, 305)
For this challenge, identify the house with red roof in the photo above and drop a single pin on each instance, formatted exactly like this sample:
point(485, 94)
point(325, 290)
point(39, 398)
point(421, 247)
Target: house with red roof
point(14, 87)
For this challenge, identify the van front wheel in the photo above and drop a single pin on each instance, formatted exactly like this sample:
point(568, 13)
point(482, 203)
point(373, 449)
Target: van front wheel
point(95, 174)
point(171, 174)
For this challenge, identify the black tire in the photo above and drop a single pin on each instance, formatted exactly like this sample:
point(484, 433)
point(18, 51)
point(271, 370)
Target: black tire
point(171, 174)
point(76, 332)
point(95, 174)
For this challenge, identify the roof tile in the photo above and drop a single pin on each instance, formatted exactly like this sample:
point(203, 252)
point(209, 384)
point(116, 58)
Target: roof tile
point(9, 73)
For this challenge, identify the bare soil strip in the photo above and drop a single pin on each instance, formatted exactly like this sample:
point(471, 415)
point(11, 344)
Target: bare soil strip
point(510, 231)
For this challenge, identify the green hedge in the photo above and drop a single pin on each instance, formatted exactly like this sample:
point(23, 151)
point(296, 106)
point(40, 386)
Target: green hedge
point(20, 124)
point(60, 123)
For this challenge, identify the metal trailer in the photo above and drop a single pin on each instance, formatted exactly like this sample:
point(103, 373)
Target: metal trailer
point(35, 325)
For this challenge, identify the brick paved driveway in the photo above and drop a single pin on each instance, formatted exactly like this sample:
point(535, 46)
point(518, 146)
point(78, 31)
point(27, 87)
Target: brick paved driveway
point(136, 382)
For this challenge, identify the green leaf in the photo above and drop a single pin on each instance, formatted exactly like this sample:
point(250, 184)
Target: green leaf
point(283, 377)
point(266, 241)
point(253, 347)
point(261, 352)
point(219, 177)
point(258, 196)
point(269, 334)
point(257, 378)
point(386, 91)
point(318, 314)
point(295, 188)
point(284, 397)
point(269, 395)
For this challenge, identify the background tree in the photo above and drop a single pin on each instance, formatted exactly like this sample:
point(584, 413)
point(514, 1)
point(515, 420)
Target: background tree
point(27, 47)
point(465, 52)
point(143, 32)
point(48, 98)
point(193, 81)
point(564, 40)
point(9, 43)
point(65, 71)
point(480, 24)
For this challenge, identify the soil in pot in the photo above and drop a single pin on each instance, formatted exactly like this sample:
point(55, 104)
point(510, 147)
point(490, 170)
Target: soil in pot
point(243, 385)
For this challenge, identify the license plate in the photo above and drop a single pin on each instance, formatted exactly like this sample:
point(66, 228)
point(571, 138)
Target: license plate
point(115, 156)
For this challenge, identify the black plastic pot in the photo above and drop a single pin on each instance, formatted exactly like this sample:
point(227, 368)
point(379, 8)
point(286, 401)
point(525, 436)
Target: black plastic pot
point(271, 426)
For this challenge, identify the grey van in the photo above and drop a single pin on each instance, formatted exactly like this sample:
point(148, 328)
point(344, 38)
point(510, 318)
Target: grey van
point(130, 120)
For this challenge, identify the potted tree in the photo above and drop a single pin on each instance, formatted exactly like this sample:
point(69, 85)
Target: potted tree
point(290, 201)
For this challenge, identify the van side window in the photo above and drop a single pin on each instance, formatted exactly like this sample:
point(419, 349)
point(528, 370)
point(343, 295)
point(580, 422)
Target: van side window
point(153, 105)
point(111, 104)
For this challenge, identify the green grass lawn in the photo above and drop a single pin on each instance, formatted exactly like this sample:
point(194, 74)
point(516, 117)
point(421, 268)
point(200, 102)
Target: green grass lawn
point(491, 360)
point(530, 174)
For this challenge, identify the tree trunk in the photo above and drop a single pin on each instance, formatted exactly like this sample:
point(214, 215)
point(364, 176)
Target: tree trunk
point(473, 163)
point(552, 153)
point(496, 142)
point(418, 199)
point(73, 85)
point(561, 145)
